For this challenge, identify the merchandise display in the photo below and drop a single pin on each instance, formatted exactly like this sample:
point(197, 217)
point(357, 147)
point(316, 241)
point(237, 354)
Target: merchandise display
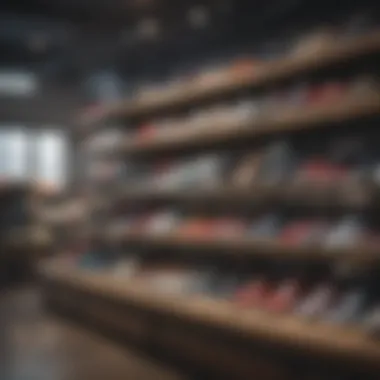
point(327, 234)
point(266, 227)
point(347, 161)
point(247, 113)
point(318, 301)
point(249, 70)
point(348, 231)
point(325, 301)
point(269, 107)
point(243, 199)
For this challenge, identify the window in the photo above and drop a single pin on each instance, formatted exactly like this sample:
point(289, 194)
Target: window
point(13, 152)
point(51, 156)
point(17, 83)
point(36, 155)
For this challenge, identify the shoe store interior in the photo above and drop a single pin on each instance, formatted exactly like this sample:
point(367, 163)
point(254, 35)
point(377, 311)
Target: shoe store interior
point(193, 188)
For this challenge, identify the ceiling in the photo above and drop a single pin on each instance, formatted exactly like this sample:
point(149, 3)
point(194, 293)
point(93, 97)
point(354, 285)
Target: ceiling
point(65, 40)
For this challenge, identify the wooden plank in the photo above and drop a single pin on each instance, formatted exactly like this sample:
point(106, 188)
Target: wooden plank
point(270, 72)
point(313, 338)
point(360, 195)
point(291, 119)
point(239, 247)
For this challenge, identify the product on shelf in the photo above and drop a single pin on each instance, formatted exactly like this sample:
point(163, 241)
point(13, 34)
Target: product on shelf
point(127, 267)
point(162, 222)
point(196, 227)
point(284, 297)
point(266, 132)
point(246, 171)
point(326, 93)
point(266, 227)
point(302, 232)
point(278, 163)
point(228, 228)
point(221, 285)
point(202, 172)
point(316, 302)
point(349, 307)
point(147, 131)
point(319, 172)
point(95, 260)
point(254, 293)
point(349, 231)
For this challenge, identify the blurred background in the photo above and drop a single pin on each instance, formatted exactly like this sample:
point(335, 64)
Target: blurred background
point(189, 189)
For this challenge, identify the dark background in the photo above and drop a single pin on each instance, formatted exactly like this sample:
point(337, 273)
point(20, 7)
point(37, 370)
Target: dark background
point(68, 42)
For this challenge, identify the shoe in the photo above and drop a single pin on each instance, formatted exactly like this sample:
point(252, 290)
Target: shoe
point(317, 302)
point(327, 93)
point(196, 228)
point(319, 172)
point(246, 171)
point(228, 228)
point(349, 308)
point(346, 233)
point(298, 233)
point(163, 222)
point(266, 227)
point(277, 164)
point(253, 294)
point(221, 285)
point(284, 298)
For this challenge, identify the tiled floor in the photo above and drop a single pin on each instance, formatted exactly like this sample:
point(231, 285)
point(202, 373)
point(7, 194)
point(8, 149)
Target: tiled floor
point(36, 346)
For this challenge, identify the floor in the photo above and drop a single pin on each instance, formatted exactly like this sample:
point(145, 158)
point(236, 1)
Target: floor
point(37, 346)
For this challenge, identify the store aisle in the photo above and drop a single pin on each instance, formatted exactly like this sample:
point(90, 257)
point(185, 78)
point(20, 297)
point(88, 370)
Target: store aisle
point(38, 346)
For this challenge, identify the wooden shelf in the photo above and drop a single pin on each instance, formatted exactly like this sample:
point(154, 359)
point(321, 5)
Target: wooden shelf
point(241, 247)
point(266, 73)
point(290, 119)
point(347, 195)
point(345, 344)
point(349, 345)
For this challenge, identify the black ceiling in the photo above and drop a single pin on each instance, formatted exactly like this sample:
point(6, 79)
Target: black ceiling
point(63, 40)
point(105, 12)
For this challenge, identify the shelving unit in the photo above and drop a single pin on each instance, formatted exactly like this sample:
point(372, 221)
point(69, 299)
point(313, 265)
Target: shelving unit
point(266, 73)
point(349, 345)
point(361, 195)
point(243, 247)
point(23, 242)
point(287, 120)
point(130, 308)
